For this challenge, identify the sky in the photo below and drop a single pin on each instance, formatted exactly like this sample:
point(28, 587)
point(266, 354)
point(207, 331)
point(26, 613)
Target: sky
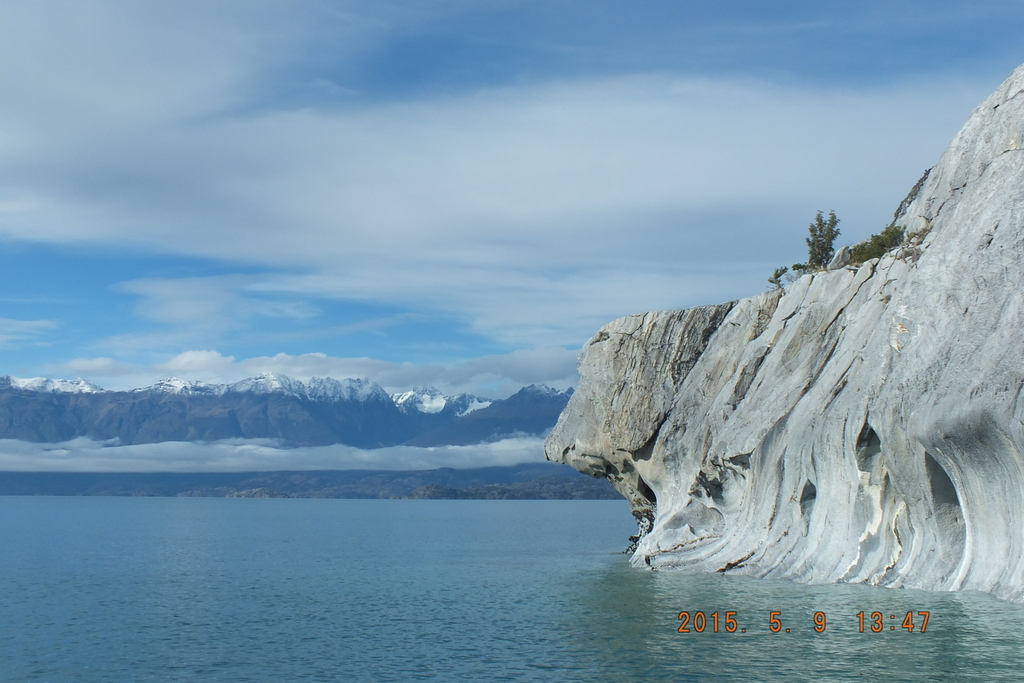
point(442, 192)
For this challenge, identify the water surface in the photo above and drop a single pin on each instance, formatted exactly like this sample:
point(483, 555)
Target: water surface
point(125, 589)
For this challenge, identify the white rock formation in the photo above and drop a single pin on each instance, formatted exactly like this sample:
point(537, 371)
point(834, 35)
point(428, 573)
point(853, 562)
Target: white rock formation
point(862, 425)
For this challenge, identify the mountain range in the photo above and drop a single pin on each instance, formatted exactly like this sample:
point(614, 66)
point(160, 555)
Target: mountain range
point(322, 411)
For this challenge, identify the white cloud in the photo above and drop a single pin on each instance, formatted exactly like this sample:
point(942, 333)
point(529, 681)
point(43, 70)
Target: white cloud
point(533, 212)
point(537, 214)
point(13, 332)
point(84, 455)
point(192, 364)
point(206, 300)
point(202, 310)
point(503, 176)
point(97, 367)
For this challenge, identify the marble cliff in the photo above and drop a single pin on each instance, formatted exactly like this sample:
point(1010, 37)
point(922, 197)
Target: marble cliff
point(864, 424)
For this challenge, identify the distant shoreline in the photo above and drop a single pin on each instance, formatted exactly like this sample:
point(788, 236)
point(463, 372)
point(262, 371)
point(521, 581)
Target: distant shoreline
point(535, 481)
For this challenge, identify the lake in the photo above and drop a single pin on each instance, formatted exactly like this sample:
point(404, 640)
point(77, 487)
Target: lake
point(212, 589)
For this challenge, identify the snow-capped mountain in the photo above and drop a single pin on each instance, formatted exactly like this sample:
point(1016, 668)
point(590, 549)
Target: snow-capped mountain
point(51, 386)
point(173, 385)
point(430, 401)
point(545, 391)
point(532, 410)
point(467, 403)
point(269, 383)
point(322, 411)
point(323, 389)
point(328, 389)
point(424, 400)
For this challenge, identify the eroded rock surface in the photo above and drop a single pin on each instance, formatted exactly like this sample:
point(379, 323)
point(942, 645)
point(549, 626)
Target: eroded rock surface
point(863, 425)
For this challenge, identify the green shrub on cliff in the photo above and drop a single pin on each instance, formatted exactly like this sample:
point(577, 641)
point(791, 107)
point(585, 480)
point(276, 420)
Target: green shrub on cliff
point(876, 245)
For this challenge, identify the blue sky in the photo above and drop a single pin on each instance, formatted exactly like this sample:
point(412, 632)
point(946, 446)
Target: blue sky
point(441, 192)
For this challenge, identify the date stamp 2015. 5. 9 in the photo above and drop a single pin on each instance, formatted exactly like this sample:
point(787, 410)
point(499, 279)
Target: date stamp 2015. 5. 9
point(866, 622)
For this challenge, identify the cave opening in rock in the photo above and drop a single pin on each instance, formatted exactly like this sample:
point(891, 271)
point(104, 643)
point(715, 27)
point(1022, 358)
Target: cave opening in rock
point(943, 491)
point(647, 450)
point(807, 498)
point(868, 446)
point(644, 490)
point(949, 518)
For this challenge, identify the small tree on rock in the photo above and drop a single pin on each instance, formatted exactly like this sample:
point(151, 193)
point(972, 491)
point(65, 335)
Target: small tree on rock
point(820, 245)
point(776, 278)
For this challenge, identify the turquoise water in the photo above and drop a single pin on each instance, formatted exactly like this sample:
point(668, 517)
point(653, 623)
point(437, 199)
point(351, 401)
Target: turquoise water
point(131, 589)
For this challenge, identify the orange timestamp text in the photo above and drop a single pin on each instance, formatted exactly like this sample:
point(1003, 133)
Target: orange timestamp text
point(730, 622)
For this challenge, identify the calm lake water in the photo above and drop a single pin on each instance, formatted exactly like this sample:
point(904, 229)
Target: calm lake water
point(132, 589)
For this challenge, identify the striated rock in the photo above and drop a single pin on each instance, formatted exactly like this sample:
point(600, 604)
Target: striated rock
point(862, 425)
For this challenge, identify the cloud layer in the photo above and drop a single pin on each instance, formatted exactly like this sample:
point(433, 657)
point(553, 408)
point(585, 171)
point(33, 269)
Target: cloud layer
point(14, 331)
point(533, 214)
point(83, 455)
point(342, 193)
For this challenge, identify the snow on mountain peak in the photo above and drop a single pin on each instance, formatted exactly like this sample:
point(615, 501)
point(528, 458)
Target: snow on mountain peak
point(430, 401)
point(329, 389)
point(269, 383)
point(53, 386)
point(545, 390)
point(473, 403)
point(185, 387)
point(324, 389)
point(424, 400)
